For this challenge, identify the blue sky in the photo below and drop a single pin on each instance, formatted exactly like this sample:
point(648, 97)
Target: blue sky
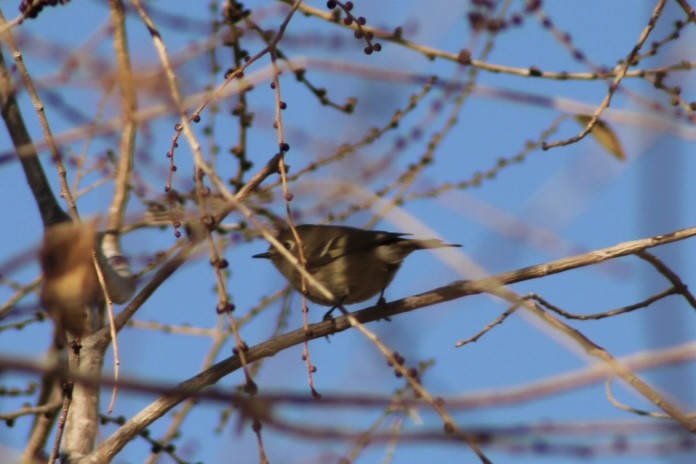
point(554, 204)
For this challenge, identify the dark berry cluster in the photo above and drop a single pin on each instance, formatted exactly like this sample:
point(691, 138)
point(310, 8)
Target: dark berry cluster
point(32, 8)
point(359, 21)
point(235, 12)
point(483, 16)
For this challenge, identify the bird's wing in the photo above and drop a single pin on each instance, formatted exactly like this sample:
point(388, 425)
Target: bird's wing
point(343, 245)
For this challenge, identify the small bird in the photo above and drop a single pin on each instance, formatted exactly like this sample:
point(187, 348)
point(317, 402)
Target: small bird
point(353, 264)
point(70, 284)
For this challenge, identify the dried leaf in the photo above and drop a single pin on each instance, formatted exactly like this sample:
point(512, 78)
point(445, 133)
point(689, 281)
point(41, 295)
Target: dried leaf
point(604, 135)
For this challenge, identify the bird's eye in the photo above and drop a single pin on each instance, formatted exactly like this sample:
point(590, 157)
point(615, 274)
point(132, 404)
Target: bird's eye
point(289, 244)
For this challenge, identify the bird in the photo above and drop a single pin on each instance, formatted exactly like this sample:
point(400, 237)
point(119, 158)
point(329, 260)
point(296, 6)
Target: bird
point(70, 283)
point(353, 264)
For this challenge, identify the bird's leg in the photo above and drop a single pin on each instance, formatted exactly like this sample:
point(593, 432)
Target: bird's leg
point(338, 305)
point(327, 315)
point(382, 304)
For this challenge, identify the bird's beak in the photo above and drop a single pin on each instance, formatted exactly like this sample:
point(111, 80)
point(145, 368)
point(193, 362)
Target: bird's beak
point(266, 255)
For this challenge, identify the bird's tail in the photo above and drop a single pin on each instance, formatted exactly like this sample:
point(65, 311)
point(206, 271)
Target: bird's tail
point(431, 243)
